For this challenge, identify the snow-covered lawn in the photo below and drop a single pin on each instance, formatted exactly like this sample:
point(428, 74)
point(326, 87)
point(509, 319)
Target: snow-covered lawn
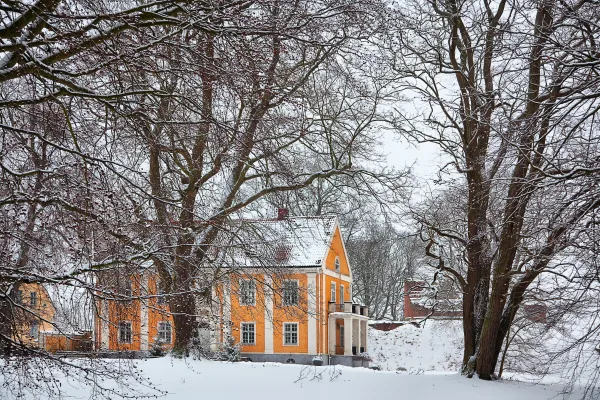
point(223, 381)
point(429, 354)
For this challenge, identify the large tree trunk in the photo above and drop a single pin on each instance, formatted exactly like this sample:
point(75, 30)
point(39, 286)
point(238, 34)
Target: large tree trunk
point(183, 310)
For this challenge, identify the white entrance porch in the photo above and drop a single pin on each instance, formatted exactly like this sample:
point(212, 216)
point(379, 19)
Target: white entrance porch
point(347, 329)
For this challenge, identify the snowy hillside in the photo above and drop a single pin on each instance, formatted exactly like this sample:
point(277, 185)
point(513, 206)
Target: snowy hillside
point(435, 346)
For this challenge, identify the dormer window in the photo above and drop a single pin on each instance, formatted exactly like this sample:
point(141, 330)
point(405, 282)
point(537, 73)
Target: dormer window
point(337, 264)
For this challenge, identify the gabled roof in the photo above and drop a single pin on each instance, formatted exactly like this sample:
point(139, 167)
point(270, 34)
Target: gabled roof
point(289, 242)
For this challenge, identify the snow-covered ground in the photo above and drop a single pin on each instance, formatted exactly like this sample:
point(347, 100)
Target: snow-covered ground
point(435, 346)
point(416, 363)
point(223, 381)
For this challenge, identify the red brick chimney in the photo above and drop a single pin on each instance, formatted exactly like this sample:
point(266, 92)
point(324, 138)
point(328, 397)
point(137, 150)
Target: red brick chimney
point(282, 213)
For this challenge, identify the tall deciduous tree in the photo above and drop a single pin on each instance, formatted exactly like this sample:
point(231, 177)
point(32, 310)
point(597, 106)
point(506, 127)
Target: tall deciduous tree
point(510, 93)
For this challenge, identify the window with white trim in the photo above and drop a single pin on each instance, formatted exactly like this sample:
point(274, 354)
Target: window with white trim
point(341, 294)
point(290, 333)
point(290, 293)
point(124, 332)
point(247, 292)
point(33, 299)
point(248, 333)
point(164, 332)
point(34, 329)
point(333, 298)
point(337, 264)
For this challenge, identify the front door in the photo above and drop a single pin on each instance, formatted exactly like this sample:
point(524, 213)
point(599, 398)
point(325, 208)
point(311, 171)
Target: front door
point(340, 347)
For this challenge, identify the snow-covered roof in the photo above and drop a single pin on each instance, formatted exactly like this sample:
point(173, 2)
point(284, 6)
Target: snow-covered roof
point(288, 242)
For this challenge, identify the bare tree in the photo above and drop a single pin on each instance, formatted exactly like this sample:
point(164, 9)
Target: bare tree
point(234, 122)
point(509, 91)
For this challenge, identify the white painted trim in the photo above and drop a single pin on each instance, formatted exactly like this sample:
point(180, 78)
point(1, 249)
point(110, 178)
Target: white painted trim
point(347, 336)
point(144, 326)
point(332, 274)
point(105, 332)
point(297, 333)
point(214, 325)
point(347, 314)
point(312, 313)
point(356, 334)
point(344, 247)
point(242, 333)
point(226, 309)
point(328, 248)
point(323, 319)
point(268, 293)
point(279, 270)
point(342, 294)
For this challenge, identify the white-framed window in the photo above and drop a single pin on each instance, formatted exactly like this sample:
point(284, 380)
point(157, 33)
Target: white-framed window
point(341, 294)
point(248, 333)
point(247, 292)
point(333, 297)
point(34, 329)
point(33, 299)
point(290, 293)
point(290, 334)
point(124, 332)
point(337, 264)
point(164, 332)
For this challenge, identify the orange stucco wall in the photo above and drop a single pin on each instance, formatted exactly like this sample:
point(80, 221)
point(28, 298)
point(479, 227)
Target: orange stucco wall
point(248, 313)
point(158, 313)
point(131, 311)
point(282, 314)
point(337, 250)
point(42, 313)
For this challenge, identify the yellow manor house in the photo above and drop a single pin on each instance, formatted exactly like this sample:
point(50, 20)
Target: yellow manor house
point(287, 298)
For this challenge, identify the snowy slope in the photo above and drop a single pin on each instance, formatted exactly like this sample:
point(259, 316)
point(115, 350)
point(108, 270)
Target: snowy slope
point(435, 346)
point(179, 380)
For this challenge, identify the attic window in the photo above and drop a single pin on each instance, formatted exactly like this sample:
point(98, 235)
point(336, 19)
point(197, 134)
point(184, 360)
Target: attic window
point(337, 264)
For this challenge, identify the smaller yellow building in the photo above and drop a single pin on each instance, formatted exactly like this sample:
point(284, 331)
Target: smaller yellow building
point(34, 314)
